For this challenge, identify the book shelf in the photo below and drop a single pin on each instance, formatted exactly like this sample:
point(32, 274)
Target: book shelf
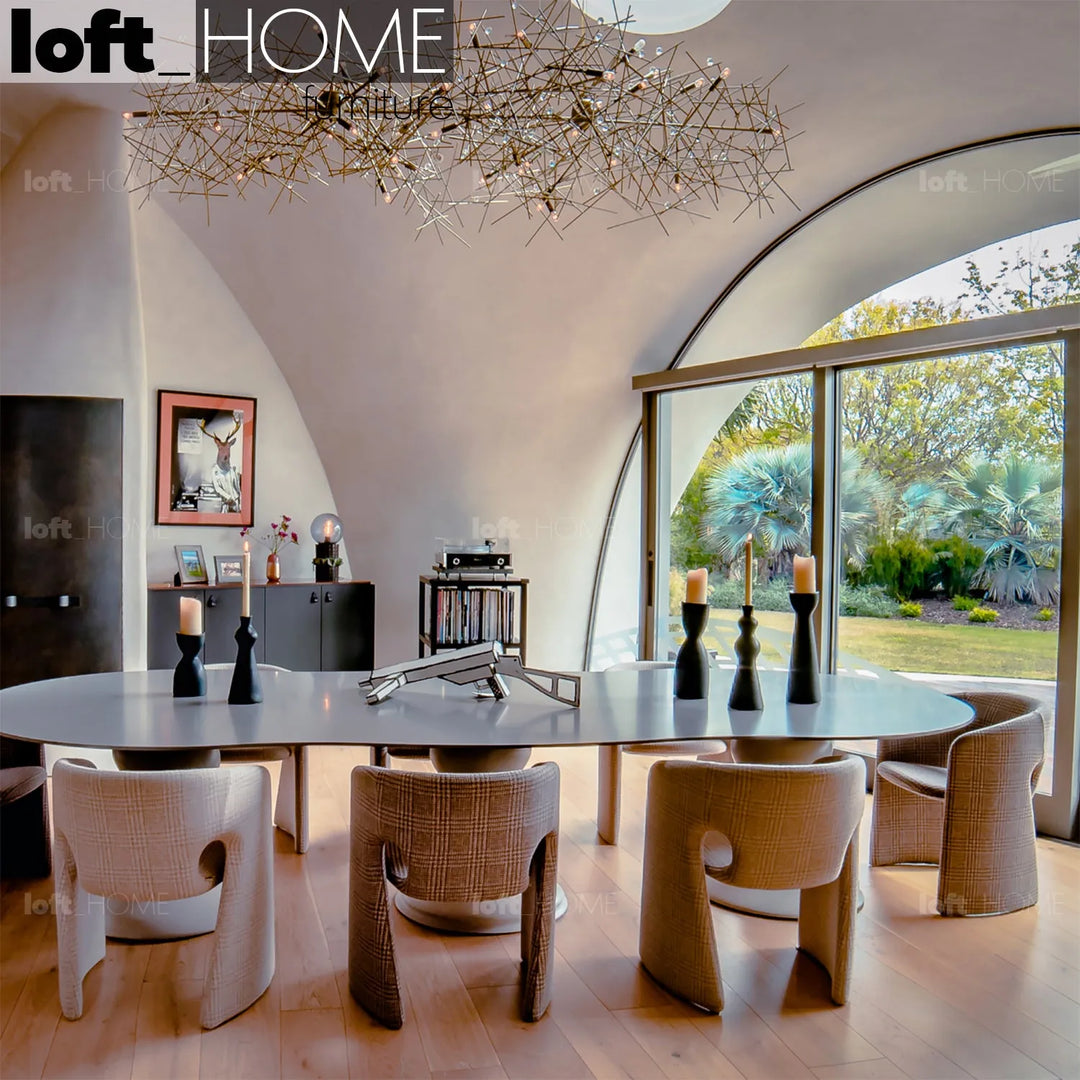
point(459, 609)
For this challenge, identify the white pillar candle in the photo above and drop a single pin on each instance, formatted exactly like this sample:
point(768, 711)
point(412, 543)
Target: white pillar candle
point(697, 586)
point(190, 616)
point(245, 596)
point(805, 574)
point(748, 592)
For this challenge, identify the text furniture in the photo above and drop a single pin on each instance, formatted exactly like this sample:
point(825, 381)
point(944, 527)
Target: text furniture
point(302, 626)
point(147, 838)
point(480, 837)
point(784, 826)
point(964, 799)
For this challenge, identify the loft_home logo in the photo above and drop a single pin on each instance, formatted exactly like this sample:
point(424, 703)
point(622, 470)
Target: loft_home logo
point(191, 40)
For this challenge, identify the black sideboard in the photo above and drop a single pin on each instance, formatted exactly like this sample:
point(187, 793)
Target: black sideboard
point(302, 626)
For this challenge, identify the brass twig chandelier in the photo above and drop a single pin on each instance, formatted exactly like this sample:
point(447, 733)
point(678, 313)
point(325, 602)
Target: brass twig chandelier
point(547, 114)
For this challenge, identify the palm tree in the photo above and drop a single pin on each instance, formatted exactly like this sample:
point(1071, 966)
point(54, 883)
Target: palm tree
point(1013, 512)
point(764, 492)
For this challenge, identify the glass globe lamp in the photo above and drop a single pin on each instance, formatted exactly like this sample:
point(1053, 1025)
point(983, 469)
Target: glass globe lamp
point(326, 529)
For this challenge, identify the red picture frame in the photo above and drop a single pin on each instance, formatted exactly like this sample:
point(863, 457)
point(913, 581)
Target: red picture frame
point(205, 459)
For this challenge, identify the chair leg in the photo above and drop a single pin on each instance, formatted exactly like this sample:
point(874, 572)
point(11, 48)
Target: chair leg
point(904, 828)
point(242, 961)
point(538, 930)
point(677, 943)
point(609, 783)
point(373, 977)
point(80, 932)
point(827, 922)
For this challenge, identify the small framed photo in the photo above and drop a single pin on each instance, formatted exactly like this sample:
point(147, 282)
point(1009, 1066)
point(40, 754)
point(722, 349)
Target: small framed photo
point(228, 568)
point(205, 459)
point(189, 558)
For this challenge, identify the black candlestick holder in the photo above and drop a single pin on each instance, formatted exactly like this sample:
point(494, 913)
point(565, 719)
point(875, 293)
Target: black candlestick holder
point(692, 661)
point(246, 688)
point(189, 678)
point(804, 680)
point(745, 688)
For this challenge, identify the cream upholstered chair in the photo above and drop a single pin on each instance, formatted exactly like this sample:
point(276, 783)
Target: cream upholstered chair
point(964, 799)
point(143, 837)
point(454, 838)
point(787, 827)
point(609, 760)
point(291, 804)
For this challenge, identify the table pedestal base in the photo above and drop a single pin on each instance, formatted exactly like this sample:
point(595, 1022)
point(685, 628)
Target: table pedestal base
point(486, 917)
point(161, 920)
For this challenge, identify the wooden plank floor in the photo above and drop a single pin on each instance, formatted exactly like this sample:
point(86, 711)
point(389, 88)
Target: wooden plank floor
point(991, 997)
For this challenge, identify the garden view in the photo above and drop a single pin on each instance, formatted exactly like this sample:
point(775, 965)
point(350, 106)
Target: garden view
point(951, 492)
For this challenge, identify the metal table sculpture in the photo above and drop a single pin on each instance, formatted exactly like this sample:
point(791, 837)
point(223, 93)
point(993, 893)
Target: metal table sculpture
point(487, 665)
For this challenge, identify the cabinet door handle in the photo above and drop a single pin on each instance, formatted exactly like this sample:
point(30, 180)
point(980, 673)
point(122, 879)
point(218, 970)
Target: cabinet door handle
point(329, 598)
point(315, 597)
point(211, 601)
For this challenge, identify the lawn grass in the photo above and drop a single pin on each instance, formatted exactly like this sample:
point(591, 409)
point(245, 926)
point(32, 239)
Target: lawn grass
point(910, 645)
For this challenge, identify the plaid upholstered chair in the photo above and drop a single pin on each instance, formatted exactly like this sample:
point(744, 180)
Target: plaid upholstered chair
point(142, 837)
point(609, 760)
point(452, 838)
point(963, 799)
point(787, 827)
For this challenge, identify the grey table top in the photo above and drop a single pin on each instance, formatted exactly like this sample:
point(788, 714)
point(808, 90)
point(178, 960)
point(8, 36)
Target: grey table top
point(135, 710)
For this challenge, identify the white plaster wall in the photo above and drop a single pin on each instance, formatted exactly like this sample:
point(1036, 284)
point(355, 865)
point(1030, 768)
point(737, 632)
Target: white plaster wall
point(69, 307)
point(198, 338)
point(100, 299)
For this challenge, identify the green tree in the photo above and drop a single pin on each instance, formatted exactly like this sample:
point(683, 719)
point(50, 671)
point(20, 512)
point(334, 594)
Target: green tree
point(1013, 512)
point(765, 493)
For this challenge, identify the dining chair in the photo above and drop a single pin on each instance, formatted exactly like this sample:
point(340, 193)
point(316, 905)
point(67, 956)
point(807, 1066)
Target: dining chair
point(25, 850)
point(609, 760)
point(451, 838)
point(783, 827)
point(291, 804)
point(139, 838)
point(963, 799)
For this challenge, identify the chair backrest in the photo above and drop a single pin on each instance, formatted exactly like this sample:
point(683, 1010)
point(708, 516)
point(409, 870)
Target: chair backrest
point(789, 826)
point(1003, 745)
point(641, 665)
point(151, 835)
point(456, 837)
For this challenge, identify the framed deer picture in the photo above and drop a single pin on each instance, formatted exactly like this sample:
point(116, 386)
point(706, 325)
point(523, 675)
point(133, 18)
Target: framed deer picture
point(205, 459)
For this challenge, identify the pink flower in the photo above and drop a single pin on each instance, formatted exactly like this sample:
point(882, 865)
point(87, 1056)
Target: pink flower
point(295, 540)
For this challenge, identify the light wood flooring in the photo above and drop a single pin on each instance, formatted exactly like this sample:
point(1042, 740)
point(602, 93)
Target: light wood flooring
point(983, 997)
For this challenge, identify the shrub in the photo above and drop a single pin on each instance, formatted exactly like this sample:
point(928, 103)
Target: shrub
point(866, 601)
point(728, 593)
point(956, 561)
point(982, 615)
point(1045, 614)
point(910, 610)
point(964, 603)
point(676, 591)
point(900, 566)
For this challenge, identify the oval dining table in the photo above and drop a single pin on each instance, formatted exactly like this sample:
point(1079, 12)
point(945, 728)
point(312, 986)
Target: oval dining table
point(134, 712)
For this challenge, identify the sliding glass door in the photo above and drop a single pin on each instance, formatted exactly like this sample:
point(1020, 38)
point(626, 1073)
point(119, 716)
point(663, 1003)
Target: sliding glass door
point(935, 473)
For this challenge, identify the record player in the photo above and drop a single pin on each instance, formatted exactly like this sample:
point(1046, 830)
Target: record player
point(483, 556)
